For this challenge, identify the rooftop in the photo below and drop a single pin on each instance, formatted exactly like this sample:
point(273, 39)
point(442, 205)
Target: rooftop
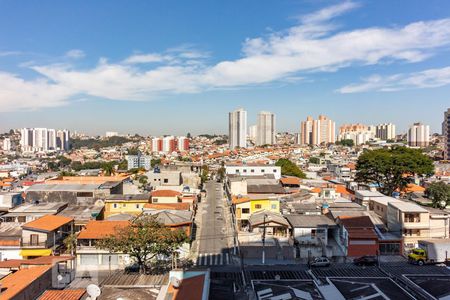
point(101, 229)
point(165, 193)
point(407, 207)
point(47, 223)
point(129, 197)
point(14, 283)
point(309, 220)
point(63, 294)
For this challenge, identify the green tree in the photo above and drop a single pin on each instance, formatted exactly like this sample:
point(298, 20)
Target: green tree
point(123, 165)
point(143, 180)
point(314, 160)
point(204, 174)
point(346, 142)
point(70, 242)
point(439, 192)
point(108, 168)
point(289, 168)
point(155, 162)
point(389, 169)
point(143, 240)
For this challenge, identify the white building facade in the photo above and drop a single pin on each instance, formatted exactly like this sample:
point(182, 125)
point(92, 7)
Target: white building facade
point(237, 128)
point(266, 132)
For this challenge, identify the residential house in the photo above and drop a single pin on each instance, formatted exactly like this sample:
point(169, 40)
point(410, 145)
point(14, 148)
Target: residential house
point(125, 204)
point(192, 285)
point(28, 212)
point(363, 197)
point(10, 237)
point(165, 196)
point(361, 238)
point(247, 205)
point(89, 258)
point(45, 236)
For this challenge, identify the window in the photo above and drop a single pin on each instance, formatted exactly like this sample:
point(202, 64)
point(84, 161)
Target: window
point(237, 171)
point(89, 259)
point(137, 205)
point(115, 205)
point(258, 206)
point(155, 200)
point(124, 205)
point(274, 170)
point(246, 210)
point(107, 258)
point(245, 170)
point(34, 239)
point(313, 233)
point(273, 206)
point(262, 170)
point(252, 171)
point(166, 180)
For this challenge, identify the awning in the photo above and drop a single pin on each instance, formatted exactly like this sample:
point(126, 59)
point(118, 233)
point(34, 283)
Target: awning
point(35, 252)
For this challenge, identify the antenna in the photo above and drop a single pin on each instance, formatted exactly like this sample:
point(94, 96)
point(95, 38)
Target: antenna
point(93, 291)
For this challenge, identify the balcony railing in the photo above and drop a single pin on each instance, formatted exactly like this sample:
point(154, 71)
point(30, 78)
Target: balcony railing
point(29, 244)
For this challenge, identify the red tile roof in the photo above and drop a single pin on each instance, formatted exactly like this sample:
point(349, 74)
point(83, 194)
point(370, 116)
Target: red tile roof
point(14, 283)
point(290, 180)
point(190, 288)
point(356, 222)
point(101, 229)
point(11, 263)
point(63, 294)
point(48, 223)
point(165, 193)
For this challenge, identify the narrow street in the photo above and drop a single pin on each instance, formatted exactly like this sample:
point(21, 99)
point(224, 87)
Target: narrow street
point(214, 230)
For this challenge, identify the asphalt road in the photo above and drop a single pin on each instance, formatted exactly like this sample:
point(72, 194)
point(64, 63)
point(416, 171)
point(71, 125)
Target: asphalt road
point(213, 228)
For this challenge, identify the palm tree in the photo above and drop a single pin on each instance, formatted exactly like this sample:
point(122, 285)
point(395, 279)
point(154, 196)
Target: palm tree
point(71, 243)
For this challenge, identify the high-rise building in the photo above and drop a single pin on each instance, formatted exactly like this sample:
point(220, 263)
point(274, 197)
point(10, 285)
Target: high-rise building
point(44, 139)
point(446, 133)
point(168, 144)
point(265, 133)
point(385, 131)
point(317, 132)
point(62, 140)
point(252, 131)
point(359, 133)
point(7, 144)
point(182, 143)
point(157, 144)
point(40, 139)
point(419, 135)
point(139, 161)
point(237, 128)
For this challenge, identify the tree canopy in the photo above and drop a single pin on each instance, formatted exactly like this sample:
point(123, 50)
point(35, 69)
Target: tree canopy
point(439, 193)
point(289, 168)
point(390, 169)
point(143, 240)
point(346, 142)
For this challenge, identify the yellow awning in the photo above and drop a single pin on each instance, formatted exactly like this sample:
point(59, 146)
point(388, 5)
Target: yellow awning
point(35, 252)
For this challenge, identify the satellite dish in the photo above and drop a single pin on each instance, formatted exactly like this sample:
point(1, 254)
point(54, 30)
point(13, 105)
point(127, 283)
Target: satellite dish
point(59, 277)
point(175, 282)
point(93, 291)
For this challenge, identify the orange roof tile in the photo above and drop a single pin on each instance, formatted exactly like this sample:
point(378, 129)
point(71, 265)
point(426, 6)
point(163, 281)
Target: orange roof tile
point(11, 263)
point(165, 193)
point(14, 283)
point(316, 190)
point(101, 229)
point(48, 223)
point(47, 260)
point(63, 294)
point(190, 288)
point(15, 242)
point(356, 222)
point(290, 180)
point(239, 200)
point(175, 206)
point(411, 188)
point(343, 190)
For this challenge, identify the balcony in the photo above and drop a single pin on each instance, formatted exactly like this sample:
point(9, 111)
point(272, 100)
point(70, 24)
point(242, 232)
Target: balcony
point(415, 225)
point(29, 244)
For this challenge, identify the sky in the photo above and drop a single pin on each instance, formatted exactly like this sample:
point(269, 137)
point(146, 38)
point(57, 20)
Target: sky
point(172, 67)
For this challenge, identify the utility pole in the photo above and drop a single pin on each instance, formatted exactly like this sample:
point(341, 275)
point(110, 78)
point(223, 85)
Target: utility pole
point(264, 241)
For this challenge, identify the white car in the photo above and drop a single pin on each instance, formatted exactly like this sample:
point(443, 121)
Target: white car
point(320, 262)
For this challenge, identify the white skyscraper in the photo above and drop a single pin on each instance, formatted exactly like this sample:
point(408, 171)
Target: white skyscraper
point(237, 128)
point(62, 139)
point(419, 135)
point(40, 139)
point(51, 136)
point(265, 133)
point(7, 144)
point(252, 130)
point(26, 139)
point(385, 131)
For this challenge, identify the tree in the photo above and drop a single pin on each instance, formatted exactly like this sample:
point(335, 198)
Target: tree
point(289, 168)
point(70, 242)
point(143, 240)
point(108, 168)
point(123, 165)
point(221, 172)
point(188, 135)
point(204, 174)
point(346, 142)
point(439, 192)
point(389, 169)
point(314, 160)
point(155, 162)
point(143, 180)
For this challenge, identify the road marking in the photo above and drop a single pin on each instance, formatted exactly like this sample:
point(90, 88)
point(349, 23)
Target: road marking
point(221, 259)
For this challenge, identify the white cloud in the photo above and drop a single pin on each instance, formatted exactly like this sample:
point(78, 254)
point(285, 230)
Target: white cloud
point(425, 79)
point(314, 45)
point(75, 53)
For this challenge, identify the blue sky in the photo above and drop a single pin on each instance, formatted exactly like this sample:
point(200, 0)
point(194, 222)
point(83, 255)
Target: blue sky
point(171, 67)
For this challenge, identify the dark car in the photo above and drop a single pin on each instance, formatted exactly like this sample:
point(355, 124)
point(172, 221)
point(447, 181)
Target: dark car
point(366, 260)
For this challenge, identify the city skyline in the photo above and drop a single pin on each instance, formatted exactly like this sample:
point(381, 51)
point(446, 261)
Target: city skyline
point(367, 61)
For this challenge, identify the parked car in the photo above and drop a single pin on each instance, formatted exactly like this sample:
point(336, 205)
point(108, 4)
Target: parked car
point(366, 260)
point(320, 262)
